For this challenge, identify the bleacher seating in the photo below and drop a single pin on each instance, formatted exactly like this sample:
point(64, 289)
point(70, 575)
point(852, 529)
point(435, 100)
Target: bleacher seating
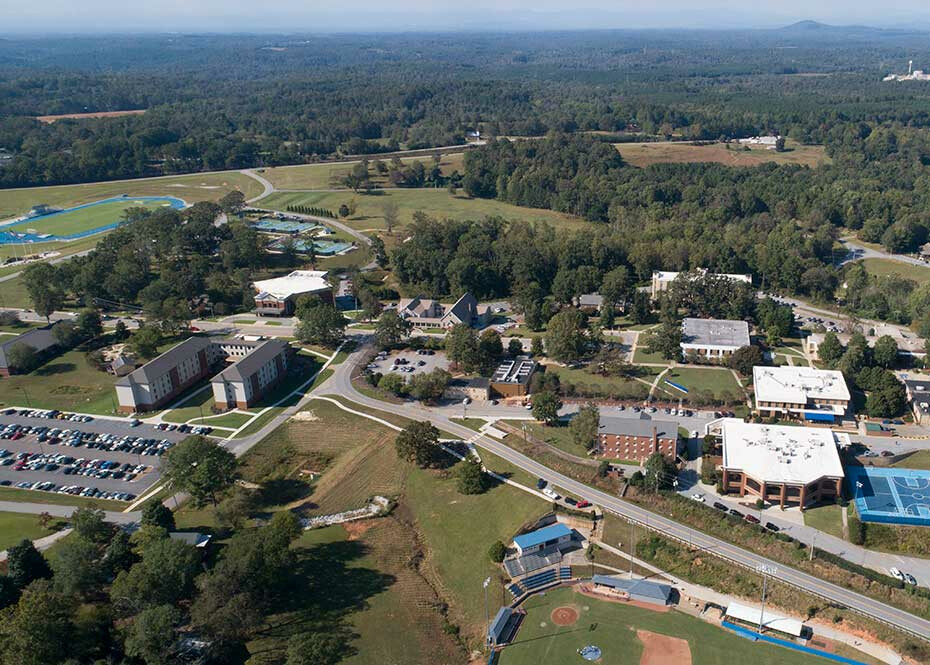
point(539, 579)
point(565, 573)
point(516, 590)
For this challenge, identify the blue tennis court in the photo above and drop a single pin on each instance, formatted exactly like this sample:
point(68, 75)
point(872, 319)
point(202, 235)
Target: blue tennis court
point(891, 496)
point(284, 225)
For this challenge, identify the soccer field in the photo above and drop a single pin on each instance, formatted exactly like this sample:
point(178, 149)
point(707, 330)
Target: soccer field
point(82, 220)
point(622, 632)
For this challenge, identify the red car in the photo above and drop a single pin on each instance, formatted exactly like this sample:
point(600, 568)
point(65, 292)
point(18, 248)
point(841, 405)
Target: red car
point(583, 503)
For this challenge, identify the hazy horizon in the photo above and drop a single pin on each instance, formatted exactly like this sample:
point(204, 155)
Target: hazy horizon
point(294, 16)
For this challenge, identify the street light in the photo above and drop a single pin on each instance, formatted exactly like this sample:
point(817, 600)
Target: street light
point(487, 613)
point(765, 570)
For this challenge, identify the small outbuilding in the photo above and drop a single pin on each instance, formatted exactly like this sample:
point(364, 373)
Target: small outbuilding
point(504, 626)
point(540, 539)
point(645, 591)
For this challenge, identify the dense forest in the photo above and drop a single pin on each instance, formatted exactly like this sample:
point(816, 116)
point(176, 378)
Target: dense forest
point(219, 102)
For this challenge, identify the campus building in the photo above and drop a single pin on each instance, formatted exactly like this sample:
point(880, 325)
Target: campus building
point(636, 438)
point(39, 340)
point(662, 279)
point(918, 393)
point(781, 464)
point(278, 296)
point(552, 536)
point(806, 393)
point(512, 378)
point(713, 339)
point(423, 312)
point(245, 381)
point(166, 377)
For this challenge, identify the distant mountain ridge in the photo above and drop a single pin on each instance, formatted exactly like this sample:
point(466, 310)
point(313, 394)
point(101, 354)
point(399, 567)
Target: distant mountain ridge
point(808, 27)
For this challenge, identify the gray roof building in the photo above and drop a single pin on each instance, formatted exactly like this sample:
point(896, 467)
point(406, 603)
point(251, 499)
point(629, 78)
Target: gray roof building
point(918, 392)
point(161, 365)
point(713, 336)
point(39, 339)
point(643, 590)
point(642, 426)
point(263, 353)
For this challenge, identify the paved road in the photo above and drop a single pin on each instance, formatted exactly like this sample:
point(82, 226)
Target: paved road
point(58, 259)
point(340, 383)
point(858, 252)
point(265, 183)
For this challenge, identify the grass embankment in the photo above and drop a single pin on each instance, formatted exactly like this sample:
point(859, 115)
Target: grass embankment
point(782, 549)
point(647, 154)
point(828, 518)
point(428, 552)
point(613, 626)
point(717, 383)
point(34, 496)
point(919, 460)
point(701, 567)
point(66, 382)
point(191, 188)
point(14, 527)
point(616, 387)
point(919, 274)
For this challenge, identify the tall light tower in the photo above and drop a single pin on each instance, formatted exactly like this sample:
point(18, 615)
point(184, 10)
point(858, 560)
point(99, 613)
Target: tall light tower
point(766, 571)
point(910, 67)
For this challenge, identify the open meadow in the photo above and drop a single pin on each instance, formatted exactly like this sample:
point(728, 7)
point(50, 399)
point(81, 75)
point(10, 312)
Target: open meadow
point(919, 274)
point(329, 175)
point(646, 154)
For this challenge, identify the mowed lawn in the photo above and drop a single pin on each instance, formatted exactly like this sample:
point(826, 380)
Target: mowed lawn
point(328, 176)
point(16, 526)
point(717, 381)
point(646, 154)
point(919, 274)
point(191, 188)
point(613, 626)
point(437, 203)
point(65, 382)
point(84, 219)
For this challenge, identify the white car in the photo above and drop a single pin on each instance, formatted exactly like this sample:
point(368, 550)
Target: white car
point(895, 573)
point(551, 494)
point(910, 579)
point(698, 497)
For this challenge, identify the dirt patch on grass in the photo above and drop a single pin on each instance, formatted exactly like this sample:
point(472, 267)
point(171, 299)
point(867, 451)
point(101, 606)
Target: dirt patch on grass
point(48, 119)
point(355, 530)
point(663, 650)
point(564, 616)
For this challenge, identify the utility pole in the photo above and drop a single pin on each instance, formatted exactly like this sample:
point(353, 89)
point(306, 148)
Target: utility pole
point(811, 557)
point(765, 570)
point(487, 613)
point(632, 549)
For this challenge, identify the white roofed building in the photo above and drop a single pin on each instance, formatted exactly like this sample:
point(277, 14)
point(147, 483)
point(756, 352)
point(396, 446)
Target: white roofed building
point(662, 279)
point(783, 464)
point(806, 393)
point(276, 296)
point(714, 339)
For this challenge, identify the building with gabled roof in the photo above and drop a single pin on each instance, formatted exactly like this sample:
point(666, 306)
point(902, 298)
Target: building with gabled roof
point(424, 312)
point(39, 340)
point(245, 381)
point(644, 591)
point(636, 438)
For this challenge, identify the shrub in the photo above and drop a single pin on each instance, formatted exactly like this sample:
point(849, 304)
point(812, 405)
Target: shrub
point(497, 552)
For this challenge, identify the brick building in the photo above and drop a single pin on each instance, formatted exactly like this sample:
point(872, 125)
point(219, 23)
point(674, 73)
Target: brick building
point(636, 438)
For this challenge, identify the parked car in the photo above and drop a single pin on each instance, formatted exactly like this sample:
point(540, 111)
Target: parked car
point(551, 494)
point(772, 527)
point(584, 503)
point(720, 506)
point(752, 519)
point(895, 573)
point(697, 496)
point(735, 513)
point(910, 579)
point(540, 483)
point(571, 501)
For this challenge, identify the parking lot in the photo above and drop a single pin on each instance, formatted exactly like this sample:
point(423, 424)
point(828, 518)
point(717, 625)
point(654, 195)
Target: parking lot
point(409, 362)
point(98, 450)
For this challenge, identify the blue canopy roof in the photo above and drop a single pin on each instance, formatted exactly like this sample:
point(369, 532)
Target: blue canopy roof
point(497, 626)
point(643, 588)
point(540, 536)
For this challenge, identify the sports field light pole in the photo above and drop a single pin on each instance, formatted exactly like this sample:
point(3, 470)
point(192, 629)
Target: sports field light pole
point(765, 570)
point(487, 612)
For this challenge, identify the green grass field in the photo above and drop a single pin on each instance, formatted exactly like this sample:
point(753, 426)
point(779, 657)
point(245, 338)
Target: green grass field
point(828, 519)
point(919, 274)
point(32, 496)
point(65, 382)
point(434, 202)
point(191, 188)
point(84, 219)
point(16, 526)
point(620, 386)
point(613, 626)
point(717, 381)
point(327, 176)
point(919, 460)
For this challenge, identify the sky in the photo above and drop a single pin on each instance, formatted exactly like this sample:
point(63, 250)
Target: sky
point(99, 16)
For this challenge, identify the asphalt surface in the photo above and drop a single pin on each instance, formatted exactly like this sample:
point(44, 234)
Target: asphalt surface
point(857, 252)
point(29, 443)
point(340, 383)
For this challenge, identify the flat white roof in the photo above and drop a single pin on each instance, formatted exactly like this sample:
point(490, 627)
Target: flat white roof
point(714, 334)
point(666, 276)
point(798, 385)
point(781, 453)
point(299, 281)
point(769, 619)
